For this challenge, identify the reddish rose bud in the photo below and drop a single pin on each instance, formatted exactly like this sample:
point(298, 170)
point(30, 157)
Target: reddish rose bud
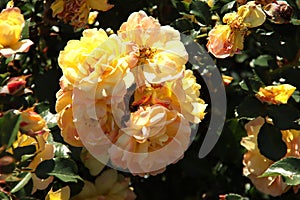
point(16, 86)
point(279, 12)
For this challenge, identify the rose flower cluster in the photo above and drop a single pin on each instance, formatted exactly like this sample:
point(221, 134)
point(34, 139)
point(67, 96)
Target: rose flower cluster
point(128, 96)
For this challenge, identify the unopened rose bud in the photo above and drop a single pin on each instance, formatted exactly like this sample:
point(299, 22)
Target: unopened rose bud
point(279, 12)
point(7, 164)
point(16, 86)
point(32, 122)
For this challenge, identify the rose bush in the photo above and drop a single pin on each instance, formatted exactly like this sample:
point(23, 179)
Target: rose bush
point(111, 99)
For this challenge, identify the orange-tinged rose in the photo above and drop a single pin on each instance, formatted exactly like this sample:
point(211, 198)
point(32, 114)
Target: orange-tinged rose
point(227, 79)
point(11, 25)
point(32, 122)
point(223, 41)
point(65, 118)
point(153, 138)
point(278, 94)
point(182, 95)
point(227, 40)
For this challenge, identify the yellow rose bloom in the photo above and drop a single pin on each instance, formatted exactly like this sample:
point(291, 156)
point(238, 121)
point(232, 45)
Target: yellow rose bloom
point(95, 62)
point(255, 164)
point(161, 54)
point(278, 94)
point(76, 12)
point(76, 52)
point(11, 25)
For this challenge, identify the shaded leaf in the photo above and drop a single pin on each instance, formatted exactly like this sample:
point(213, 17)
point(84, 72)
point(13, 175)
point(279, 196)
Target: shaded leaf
point(44, 168)
point(232, 196)
point(4, 196)
point(22, 183)
point(183, 24)
point(284, 116)
point(262, 61)
point(228, 6)
point(181, 6)
point(289, 168)
point(201, 10)
point(251, 108)
point(9, 127)
point(65, 170)
point(25, 150)
point(270, 142)
point(44, 110)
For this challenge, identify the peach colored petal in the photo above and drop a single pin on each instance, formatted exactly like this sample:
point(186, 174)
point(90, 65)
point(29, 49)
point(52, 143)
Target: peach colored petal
point(252, 14)
point(67, 126)
point(153, 138)
point(19, 47)
point(161, 54)
point(46, 154)
point(99, 5)
point(90, 162)
point(278, 94)
point(224, 42)
point(40, 184)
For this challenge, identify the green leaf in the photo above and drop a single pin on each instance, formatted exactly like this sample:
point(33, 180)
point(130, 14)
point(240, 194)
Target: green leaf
point(296, 96)
point(61, 150)
point(232, 196)
point(3, 78)
point(26, 157)
point(22, 183)
point(262, 61)
point(295, 22)
point(270, 142)
point(289, 168)
point(9, 127)
point(4, 196)
point(65, 170)
point(183, 25)
point(44, 110)
point(25, 31)
point(25, 150)
point(180, 5)
point(202, 11)
point(251, 108)
point(227, 7)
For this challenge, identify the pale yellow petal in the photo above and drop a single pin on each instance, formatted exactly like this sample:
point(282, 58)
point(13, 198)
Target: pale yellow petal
point(61, 194)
